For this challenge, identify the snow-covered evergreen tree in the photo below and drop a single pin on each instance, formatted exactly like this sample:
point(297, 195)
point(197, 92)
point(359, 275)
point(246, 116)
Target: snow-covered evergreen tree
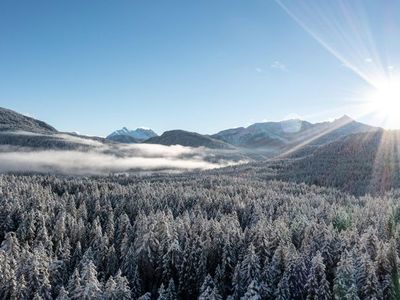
point(252, 292)
point(250, 267)
point(90, 286)
point(209, 290)
point(63, 294)
point(317, 286)
point(345, 281)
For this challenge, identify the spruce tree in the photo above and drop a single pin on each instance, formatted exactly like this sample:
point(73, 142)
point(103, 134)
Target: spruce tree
point(317, 286)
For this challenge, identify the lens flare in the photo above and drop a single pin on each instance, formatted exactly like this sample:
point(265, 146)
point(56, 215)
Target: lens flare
point(363, 36)
point(384, 102)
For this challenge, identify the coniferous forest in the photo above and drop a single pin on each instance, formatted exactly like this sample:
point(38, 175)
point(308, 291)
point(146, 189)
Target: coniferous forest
point(198, 236)
point(200, 150)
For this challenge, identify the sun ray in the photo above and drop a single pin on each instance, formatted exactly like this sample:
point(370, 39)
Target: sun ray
point(345, 29)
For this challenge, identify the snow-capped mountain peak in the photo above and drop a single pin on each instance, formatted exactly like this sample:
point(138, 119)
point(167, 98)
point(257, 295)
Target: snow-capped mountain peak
point(139, 134)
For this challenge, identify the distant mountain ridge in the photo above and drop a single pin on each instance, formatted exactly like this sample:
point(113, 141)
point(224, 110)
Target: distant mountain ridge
point(263, 134)
point(289, 138)
point(344, 154)
point(286, 134)
point(273, 137)
point(125, 135)
point(189, 139)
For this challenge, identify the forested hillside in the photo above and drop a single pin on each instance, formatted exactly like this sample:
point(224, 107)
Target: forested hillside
point(194, 236)
point(12, 121)
point(360, 163)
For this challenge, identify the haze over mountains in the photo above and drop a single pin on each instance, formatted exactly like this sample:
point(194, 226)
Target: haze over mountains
point(273, 136)
point(345, 154)
point(269, 138)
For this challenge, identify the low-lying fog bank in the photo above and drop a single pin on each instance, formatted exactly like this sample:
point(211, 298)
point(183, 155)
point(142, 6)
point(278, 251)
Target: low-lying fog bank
point(99, 158)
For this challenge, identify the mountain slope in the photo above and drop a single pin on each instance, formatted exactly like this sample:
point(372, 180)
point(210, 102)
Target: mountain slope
point(290, 135)
point(273, 134)
point(13, 121)
point(359, 163)
point(21, 132)
point(125, 135)
point(189, 139)
point(324, 133)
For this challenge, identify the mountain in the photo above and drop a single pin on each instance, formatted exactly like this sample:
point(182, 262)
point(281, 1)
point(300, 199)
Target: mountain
point(190, 139)
point(125, 135)
point(13, 121)
point(19, 132)
point(324, 133)
point(290, 138)
point(275, 134)
point(125, 139)
point(290, 134)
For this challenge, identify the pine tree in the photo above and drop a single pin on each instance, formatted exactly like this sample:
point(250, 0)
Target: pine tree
point(274, 272)
point(383, 274)
point(117, 288)
point(36, 296)
point(369, 243)
point(111, 261)
point(162, 294)
point(22, 291)
point(367, 283)
point(90, 286)
point(167, 294)
point(253, 292)
point(283, 290)
point(74, 285)
point(394, 269)
point(250, 267)
point(317, 286)
point(192, 269)
point(171, 261)
point(170, 292)
point(146, 296)
point(209, 290)
point(122, 286)
point(77, 255)
point(297, 277)
point(135, 283)
point(37, 273)
point(10, 245)
point(110, 289)
point(63, 294)
point(345, 281)
point(237, 284)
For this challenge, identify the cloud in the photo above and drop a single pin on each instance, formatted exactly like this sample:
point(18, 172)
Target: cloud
point(89, 163)
point(78, 140)
point(259, 70)
point(105, 158)
point(278, 65)
point(154, 150)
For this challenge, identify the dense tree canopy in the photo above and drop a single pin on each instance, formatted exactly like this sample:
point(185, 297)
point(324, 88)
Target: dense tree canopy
point(194, 236)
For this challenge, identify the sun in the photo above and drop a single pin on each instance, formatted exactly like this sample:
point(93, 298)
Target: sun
point(384, 102)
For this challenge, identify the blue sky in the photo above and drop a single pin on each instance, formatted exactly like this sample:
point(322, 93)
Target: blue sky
point(94, 66)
